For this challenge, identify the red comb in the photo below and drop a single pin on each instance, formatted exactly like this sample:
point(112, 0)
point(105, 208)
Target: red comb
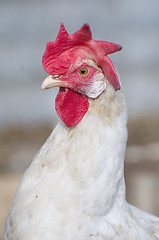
point(56, 59)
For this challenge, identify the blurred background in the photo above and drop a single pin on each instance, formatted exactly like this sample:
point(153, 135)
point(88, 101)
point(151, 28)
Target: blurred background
point(27, 114)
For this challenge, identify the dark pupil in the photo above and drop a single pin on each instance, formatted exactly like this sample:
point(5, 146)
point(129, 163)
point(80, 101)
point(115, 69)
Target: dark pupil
point(83, 71)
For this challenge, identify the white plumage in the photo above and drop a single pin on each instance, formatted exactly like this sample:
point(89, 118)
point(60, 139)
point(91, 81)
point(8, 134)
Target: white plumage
point(75, 189)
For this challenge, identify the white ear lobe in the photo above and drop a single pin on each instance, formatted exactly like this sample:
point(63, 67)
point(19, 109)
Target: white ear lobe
point(97, 87)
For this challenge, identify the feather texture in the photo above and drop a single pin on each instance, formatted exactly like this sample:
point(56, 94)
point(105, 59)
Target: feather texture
point(75, 189)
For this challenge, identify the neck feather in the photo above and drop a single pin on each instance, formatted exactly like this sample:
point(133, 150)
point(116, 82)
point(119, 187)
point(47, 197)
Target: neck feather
point(91, 154)
point(101, 138)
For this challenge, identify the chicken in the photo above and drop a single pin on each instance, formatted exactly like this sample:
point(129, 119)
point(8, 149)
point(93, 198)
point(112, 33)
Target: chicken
point(75, 188)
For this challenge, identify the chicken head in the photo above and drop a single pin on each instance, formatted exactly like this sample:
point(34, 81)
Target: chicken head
point(79, 66)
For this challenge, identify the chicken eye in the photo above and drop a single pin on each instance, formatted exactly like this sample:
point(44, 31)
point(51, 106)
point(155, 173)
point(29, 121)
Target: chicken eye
point(83, 71)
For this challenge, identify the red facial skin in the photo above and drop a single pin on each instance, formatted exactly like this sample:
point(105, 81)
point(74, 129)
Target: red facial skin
point(78, 82)
point(65, 57)
point(71, 106)
point(57, 58)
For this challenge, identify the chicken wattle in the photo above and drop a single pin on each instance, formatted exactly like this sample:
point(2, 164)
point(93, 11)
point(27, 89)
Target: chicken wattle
point(75, 188)
point(70, 106)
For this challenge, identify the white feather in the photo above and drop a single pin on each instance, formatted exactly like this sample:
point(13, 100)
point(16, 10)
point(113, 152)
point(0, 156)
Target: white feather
point(75, 189)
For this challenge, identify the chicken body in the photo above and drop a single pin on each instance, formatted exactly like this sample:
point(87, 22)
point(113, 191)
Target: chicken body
point(74, 188)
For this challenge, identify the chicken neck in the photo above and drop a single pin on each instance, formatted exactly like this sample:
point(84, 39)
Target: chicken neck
point(92, 155)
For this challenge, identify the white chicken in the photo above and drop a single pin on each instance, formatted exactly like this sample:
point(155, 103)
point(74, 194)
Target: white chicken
point(75, 189)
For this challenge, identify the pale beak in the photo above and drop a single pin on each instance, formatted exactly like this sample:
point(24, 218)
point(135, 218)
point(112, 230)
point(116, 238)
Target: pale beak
point(53, 81)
